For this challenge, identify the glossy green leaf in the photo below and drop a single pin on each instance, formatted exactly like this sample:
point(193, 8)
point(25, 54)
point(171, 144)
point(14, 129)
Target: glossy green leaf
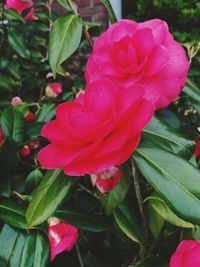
point(156, 222)
point(174, 178)
point(35, 251)
point(12, 14)
point(111, 12)
point(160, 206)
point(66, 6)
point(46, 113)
point(192, 90)
point(33, 129)
point(113, 199)
point(128, 223)
point(48, 196)
point(159, 134)
point(12, 243)
point(6, 83)
point(12, 123)
point(18, 44)
point(34, 178)
point(13, 214)
point(83, 220)
point(64, 40)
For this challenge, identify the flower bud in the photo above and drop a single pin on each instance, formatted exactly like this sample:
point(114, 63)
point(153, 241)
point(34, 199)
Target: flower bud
point(53, 89)
point(25, 151)
point(16, 101)
point(197, 148)
point(29, 116)
point(106, 181)
point(62, 236)
point(34, 145)
point(1, 136)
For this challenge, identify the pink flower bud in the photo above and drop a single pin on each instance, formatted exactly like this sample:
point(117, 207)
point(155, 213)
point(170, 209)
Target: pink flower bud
point(16, 101)
point(106, 181)
point(34, 145)
point(53, 89)
point(29, 116)
point(1, 136)
point(197, 148)
point(30, 15)
point(62, 236)
point(25, 151)
point(187, 254)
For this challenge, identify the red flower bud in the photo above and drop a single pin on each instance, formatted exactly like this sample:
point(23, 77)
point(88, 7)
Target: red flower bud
point(34, 145)
point(25, 151)
point(53, 89)
point(62, 236)
point(16, 101)
point(29, 117)
point(106, 181)
point(197, 148)
point(1, 136)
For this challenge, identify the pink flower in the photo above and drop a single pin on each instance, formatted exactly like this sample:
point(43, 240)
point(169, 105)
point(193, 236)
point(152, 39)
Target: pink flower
point(25, 151)
point(53, 89)
point(29, 117)
point(100, 129)
point(187, 255)
point(1, 136)
point(16, 101)
point(20, 6)
point(197, 148)
point(106, 181)
point(62, 236)
point(145, 53)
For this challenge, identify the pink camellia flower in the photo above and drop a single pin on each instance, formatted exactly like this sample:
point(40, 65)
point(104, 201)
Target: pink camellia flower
point(197, 148)
point(106, 181)
point(62, 236)
point(20, 6)
point(53, 89)
point(16, 101)
point(1, 136)
point(187, 255)
point(145, 53)
point(98, 130)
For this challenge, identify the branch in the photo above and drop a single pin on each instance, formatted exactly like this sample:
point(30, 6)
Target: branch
point(79, 255)
point(85, 29)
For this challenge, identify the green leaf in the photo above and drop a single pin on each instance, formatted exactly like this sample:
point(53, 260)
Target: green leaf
point(33, 129)
point(12, 122)
point(6, 83)
point(116, 196)
point(48, 196)
point(192, 90)
point(12, 14)
point(149, 262)
point(160, 206)
point(83, 220)
point(46, 113)
point(156, 222)
point(36, 251)
point(111, 12)
point(64, 40)
point(18, 44)
point(12, 242)
point(13, 214)
point(64, 4)
point(174, 178)
point(34, 178)
point(159, 134)
point(129, 224)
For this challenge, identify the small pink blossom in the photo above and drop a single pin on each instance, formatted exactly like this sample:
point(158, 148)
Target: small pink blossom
point(16, 101)
point(62, 236)
point(106, 181)
point(53, 89)
point(186, 255)
point(20, 6)
point(146, 54)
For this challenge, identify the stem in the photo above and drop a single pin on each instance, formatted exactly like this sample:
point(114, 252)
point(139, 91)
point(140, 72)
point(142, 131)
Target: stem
point(79, 255)
point(87, 190)
point(139, 197)
point(85, 29)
